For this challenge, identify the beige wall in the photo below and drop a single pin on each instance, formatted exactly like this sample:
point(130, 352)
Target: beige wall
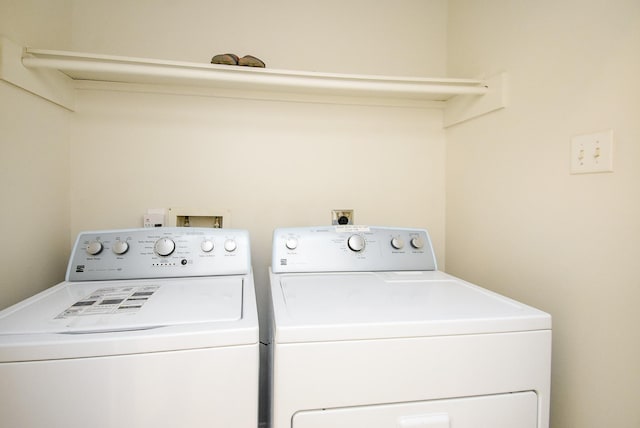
point(519, 223)
point(34, 162)
point(34, 189)
point(355, 36)
point(45, 24)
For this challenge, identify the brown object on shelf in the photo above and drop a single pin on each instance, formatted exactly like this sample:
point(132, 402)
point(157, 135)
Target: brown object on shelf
point(227, 59)
point(251, 61)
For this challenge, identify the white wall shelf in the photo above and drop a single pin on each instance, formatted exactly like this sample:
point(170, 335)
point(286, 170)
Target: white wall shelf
point(36, 70)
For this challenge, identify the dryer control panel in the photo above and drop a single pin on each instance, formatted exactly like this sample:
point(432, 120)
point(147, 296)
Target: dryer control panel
point(167, 252)
point(351, 249)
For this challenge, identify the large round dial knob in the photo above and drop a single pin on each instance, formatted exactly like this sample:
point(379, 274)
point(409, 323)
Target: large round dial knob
point(120, 247)
point(292, 243)
point(397, 243)
point(230, 245)
point(417, 243)
point(94, 247)
point(356, 243)
point(207, 245)
point(164, 247)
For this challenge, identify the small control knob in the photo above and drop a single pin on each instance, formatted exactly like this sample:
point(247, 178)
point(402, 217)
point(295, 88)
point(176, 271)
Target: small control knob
point(164, 247)
point(120, 247)
point(94, 247)
point(292, 243)
point(417, 243)
point(207, 245)
point(397, 243)
point(230, 245)
point(356, 243)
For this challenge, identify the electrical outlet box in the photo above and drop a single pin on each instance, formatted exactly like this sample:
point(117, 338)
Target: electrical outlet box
point(188, 217)
point(154, 217)
point(342, 217)
point(591, 153)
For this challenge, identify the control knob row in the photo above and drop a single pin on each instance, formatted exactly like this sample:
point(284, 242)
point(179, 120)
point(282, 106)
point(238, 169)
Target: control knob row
point(357, 243)
point(415, 242)
point(95, 247)
point(165, 246)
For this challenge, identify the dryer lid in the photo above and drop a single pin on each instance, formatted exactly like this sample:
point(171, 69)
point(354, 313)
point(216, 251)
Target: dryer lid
point(374, 305)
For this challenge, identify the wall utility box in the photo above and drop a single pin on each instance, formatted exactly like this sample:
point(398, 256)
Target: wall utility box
point(190, 217)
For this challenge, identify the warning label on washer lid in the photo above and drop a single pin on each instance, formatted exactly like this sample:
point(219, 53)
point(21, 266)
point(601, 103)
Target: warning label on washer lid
point(111, 300)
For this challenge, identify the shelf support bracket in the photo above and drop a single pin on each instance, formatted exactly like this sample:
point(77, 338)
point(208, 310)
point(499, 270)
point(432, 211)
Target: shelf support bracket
point(462, 108)
point(51, 85)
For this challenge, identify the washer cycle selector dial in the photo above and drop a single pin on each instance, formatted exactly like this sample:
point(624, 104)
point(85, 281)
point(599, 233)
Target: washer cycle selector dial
point(120, 247)
point(164, 247)
point(417, 243)
point(94, 247)
point(356, 243)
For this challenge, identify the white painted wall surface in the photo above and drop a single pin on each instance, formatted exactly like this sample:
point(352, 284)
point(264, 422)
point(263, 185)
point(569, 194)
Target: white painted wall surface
point(519, 223)
point(34, 161)
point(405, 38)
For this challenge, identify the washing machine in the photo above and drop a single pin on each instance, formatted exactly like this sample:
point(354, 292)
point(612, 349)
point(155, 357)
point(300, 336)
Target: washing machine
point(151, 328)
point(366, 332)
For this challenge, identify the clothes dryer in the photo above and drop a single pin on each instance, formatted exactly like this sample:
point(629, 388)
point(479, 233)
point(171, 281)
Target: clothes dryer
point(366, 332)
point(151, 328)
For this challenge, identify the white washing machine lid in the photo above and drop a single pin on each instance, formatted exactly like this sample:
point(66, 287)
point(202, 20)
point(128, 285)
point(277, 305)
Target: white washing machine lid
point(377, 305)
point(100, 318)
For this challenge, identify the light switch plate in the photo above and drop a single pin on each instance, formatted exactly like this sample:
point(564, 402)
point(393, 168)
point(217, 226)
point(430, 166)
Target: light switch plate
point(591, 153)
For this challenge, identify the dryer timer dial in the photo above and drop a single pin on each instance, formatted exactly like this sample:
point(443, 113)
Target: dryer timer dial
point(356, 243)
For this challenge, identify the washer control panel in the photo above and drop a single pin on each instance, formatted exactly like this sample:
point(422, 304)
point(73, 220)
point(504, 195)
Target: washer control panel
point(351, 248)
point(159, 253)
